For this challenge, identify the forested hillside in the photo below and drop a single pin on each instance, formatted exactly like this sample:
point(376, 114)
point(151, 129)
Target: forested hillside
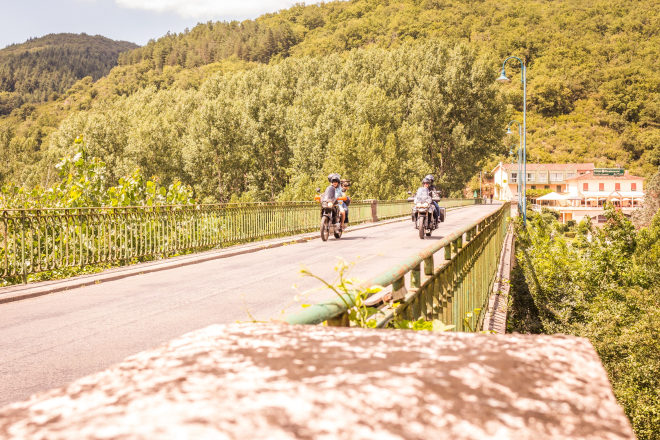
point(593, 64)
point(41, 69)
point(593, 77)
point(381, 118)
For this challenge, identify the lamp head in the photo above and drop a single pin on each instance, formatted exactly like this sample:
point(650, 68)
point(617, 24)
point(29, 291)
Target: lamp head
point(503, 77)
point(508, 131)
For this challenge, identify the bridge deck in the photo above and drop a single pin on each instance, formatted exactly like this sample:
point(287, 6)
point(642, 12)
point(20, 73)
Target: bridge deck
point(51, 340)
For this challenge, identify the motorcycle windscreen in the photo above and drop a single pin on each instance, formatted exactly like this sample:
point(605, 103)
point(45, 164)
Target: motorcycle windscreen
point(329, 195)
point(422, 195)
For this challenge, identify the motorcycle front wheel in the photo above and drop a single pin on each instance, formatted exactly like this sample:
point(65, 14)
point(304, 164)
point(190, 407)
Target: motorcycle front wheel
point(421, 224)
point(338, 233)
point(325, 228)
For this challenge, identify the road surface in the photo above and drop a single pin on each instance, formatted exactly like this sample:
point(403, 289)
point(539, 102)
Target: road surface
point(54, 339)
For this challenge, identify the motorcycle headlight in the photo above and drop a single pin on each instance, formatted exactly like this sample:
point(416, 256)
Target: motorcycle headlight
point(419, 205)
point(425, 205)
point(328, 204)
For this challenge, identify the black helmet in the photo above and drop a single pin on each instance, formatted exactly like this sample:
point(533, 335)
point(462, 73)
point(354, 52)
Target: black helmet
point(426, 180)
point(334, 176)
point(430, 177)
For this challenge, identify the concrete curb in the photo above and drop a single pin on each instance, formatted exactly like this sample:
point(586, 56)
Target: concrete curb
point(26, 291)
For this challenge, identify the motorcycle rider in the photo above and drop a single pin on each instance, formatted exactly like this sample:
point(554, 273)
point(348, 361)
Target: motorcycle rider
point(426, 183)
point(434, 193)
point(344, 184)
point(332, 193)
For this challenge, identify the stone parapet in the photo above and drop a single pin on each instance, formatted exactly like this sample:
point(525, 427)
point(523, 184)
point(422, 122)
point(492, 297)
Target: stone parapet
point(273, 381)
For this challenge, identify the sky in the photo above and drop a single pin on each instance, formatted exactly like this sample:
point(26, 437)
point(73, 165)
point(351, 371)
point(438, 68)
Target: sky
point(137, 21)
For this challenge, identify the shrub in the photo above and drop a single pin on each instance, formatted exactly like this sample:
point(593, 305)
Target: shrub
point(605, 289)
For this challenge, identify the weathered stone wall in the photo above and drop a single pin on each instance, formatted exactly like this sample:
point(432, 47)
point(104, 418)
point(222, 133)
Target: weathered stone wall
point(275, 381)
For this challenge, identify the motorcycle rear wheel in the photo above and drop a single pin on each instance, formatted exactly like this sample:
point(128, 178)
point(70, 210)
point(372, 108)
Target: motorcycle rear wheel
point(421, 224)
point(325, 228)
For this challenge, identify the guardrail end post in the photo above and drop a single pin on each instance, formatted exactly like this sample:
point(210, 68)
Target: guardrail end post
point(374, 211)
point(339, 321)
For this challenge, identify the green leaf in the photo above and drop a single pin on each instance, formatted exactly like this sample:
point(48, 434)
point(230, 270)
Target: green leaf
point(421, 324)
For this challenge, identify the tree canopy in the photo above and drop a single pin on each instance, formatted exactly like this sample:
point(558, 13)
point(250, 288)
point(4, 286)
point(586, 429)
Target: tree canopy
point(593, 77)
point(381, 118)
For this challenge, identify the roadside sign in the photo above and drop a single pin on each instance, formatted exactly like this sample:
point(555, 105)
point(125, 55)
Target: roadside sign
point(608, 171)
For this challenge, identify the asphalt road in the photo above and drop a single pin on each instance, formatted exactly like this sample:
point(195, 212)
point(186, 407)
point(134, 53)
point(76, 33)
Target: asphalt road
point(52, 340)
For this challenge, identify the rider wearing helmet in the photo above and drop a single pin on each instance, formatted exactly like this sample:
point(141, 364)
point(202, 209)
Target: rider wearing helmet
point(426, 183)
point(332, 193)
point(433, 191)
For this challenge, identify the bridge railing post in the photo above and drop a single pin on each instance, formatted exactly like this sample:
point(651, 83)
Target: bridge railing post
point(374, 211)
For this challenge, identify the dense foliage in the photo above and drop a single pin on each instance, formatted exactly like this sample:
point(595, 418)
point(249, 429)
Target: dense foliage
point(381, 118)
point(44, 68)
point(593, 81)
point(82, 181)
point(604, 288)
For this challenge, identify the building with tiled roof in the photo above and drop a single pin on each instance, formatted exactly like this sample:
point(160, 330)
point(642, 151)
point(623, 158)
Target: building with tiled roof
point(581, 188)
point(552, 176)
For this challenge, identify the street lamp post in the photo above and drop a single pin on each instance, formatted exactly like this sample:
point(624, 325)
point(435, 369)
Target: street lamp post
point(523, 75)
point(519, 151)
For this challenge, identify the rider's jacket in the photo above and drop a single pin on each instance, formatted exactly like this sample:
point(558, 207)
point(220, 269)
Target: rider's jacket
point(330, 194)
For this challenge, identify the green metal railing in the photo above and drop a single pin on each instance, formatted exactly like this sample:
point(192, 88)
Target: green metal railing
point(446, 280)
point(39, 240)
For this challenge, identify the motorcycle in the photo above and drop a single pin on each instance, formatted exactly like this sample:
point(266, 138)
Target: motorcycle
point(330, 217)
point(422, 212)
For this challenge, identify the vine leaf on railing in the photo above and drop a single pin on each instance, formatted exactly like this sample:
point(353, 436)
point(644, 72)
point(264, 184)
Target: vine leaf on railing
point(349, 290)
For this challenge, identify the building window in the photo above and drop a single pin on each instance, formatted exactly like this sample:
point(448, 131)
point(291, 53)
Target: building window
point(547, 187)
point(570, 175)
point(601, 219)
point(558, 188)
point(556, 177)
point(530, 177)
point(585, 186)
point(543, 177)
point(601, 187)
point(617, 187)
point(514, 177)
point(533, 186)
point(633, 187)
